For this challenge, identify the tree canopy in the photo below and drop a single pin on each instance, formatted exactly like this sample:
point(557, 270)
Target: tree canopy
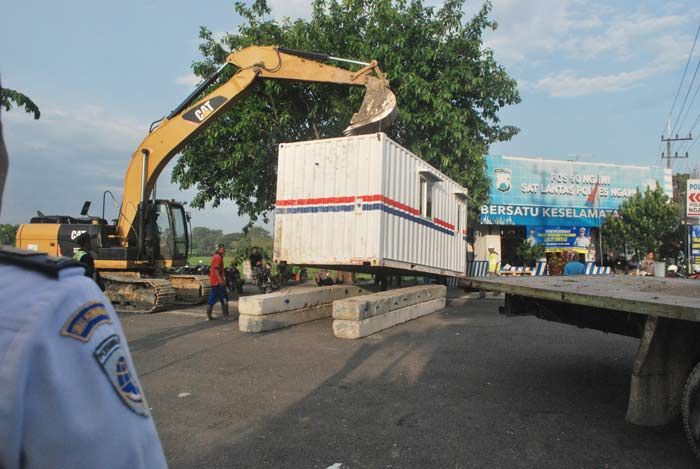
point(449, 88)
point(646, 222)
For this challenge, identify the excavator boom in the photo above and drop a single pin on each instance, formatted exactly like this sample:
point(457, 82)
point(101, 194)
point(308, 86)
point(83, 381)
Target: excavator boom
point(194, 115)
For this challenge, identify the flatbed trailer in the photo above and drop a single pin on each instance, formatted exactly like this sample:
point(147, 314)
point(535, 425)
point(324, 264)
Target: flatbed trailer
point(663, 313)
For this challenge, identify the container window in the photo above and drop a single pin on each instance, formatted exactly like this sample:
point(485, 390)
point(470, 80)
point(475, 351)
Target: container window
point(459, 217)
point(426, 197)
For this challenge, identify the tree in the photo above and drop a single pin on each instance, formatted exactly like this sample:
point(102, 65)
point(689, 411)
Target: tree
point(205, 240)
point(530, 253)
point(254, 237)
point(449, 88)
point(646, 222)
point(8, 234)
point(9, 97)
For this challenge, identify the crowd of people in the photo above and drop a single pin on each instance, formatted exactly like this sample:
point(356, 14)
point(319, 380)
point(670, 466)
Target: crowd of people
point(574, 263)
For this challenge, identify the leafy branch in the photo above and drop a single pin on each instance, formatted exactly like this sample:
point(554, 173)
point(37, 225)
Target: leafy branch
point(9, 97)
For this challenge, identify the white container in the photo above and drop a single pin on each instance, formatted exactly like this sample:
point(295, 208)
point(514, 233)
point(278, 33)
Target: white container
point(365, 203)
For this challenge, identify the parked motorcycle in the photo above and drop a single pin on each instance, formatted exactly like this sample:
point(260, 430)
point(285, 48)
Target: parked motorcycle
point(286, 274)
point(673, 271)
point(263, 278)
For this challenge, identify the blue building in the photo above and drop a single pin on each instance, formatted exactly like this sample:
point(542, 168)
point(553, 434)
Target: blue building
point(559, 203)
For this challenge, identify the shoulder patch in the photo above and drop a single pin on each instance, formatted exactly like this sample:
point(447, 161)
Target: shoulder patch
point(110, 356)
point(83, 322)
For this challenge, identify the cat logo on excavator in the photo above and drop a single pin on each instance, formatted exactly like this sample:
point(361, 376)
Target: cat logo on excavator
point(201, 111)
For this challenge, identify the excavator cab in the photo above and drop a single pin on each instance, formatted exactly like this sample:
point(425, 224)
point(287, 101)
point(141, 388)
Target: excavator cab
point(166, 236)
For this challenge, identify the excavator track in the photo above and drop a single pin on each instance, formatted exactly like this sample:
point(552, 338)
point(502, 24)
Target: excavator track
point(190, 288)
point(130, 294)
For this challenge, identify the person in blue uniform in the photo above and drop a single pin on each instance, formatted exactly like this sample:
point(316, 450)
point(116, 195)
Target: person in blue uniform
point(574, 266)
point(69, 393)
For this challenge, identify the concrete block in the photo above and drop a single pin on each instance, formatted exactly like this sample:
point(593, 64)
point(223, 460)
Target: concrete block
point(298, 298)
point(347, 329)
point(366, 306)
point(269, 322)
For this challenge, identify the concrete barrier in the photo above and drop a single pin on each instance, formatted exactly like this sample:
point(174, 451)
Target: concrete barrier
point(260, 313)
point(365, 315)
point(270, 322)
point(365, 306)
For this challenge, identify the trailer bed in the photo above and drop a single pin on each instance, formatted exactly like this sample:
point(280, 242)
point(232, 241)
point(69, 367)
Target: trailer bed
point(667, 298)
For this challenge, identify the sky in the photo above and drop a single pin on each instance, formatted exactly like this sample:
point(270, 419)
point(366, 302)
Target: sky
point(597, 80)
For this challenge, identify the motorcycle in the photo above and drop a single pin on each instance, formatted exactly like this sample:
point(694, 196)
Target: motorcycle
point(674, 272)
point(263, 278)
point(285, 274)
point(234, 281)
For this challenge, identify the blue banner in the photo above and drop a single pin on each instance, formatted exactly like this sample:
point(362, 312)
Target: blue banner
point(558, 238)
point(530, 191)
point(695, 244)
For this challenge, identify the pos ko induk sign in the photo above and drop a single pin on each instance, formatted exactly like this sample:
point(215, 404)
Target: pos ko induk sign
point(693, 192)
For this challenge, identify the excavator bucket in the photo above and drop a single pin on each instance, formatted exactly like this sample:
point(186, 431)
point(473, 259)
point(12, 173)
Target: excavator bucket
point(377, 112)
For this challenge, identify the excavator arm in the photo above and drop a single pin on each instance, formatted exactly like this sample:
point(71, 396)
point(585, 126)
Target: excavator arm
point(193, 115)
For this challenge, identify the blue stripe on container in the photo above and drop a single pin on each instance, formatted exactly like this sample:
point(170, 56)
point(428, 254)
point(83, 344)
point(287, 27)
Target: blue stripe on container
point(409, 217)
point(368, 207)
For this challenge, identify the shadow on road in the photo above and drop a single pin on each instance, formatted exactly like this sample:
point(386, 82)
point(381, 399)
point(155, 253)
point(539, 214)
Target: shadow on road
point(455, 389)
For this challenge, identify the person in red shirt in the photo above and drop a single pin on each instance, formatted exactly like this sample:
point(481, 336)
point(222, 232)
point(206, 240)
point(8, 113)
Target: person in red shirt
point(218, 284)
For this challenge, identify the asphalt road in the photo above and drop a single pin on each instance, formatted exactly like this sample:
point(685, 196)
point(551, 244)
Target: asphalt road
point(464, 387)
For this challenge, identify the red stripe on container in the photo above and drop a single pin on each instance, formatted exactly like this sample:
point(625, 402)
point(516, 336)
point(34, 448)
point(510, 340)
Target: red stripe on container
point(399, 205)
point(315, 201)
point(351, 199)
point(443, 223)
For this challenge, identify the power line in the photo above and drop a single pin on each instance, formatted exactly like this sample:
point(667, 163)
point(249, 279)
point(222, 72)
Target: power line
point(690, 87)
point(690, 132)
point(692, 101)
point(691, 145)
point(678, 91)
point(680, 85)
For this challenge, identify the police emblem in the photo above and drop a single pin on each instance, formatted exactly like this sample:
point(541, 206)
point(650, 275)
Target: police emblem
point(81, 324)
point(503, 176)
point(112, 360)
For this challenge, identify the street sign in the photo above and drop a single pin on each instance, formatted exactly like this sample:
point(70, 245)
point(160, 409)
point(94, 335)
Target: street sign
point(693, 203)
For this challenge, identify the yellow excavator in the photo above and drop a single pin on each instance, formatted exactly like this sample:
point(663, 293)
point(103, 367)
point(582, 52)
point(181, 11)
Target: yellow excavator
point(137, 253)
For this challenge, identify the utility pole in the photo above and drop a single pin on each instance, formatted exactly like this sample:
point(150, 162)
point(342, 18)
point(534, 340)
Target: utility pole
point(668, 141)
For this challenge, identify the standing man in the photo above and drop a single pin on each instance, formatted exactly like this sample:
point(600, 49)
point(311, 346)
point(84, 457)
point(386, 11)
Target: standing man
point(218, 283)
point(574, 266)
point(66, 374)
point(647, 265)
point(255, 258)
point(492, 259)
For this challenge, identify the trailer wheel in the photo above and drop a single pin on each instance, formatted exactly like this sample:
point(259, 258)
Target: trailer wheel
point(691, 410)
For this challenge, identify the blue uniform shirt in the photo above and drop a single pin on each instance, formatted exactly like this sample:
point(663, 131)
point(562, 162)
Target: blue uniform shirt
point(574, 268)
point(69, 394)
